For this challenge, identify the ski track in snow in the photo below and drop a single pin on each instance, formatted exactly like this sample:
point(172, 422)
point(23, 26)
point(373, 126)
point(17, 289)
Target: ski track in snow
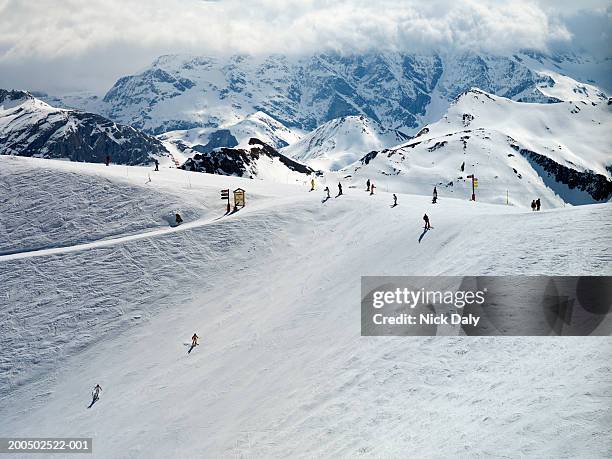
point(281, 370)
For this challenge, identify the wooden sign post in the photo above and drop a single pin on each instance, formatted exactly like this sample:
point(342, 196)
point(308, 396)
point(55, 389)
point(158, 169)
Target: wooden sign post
point(225, 195)
point(239, 198)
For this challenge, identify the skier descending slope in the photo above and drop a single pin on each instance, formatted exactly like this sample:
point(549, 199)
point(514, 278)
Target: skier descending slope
point(95, 395)
point(194, 342)
point(368, 185)
point(394, 200)
point(339, 189)
point(427, 224)
point(312, 185)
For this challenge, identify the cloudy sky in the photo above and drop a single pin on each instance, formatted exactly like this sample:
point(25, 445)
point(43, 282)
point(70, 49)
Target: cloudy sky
point(60, 46)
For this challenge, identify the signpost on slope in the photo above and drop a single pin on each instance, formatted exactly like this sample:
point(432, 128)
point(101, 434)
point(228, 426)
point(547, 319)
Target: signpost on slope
point(474, 186)
point(239, 198)
point(225, 194)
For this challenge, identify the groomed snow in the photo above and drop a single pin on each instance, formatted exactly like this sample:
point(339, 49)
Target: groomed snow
point(273, 292)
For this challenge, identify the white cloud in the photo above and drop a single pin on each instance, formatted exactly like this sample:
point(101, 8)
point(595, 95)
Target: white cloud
point(70, 31)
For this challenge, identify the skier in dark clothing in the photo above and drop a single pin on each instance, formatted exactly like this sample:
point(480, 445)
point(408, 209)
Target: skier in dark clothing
point(156, 165)
point(339, 189)
point(435, 192)
point(107, 160)
point(372, 189)
point(96, 392)
point(463, 166)
point(179, 220)
point(538, 204)
point(327, 191)
point(533, 205)
point(368, 185)
point(427, 224)
point(194, 342)
point(394, 200)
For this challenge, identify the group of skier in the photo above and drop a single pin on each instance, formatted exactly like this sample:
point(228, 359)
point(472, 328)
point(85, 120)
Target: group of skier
point(370, 187)
point(535, 205)
point(95, 393)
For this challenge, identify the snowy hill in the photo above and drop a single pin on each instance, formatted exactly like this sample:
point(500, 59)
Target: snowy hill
point(342, 141)
point(255, 160)
point(518, 151)
point(256, 125)
point(400, 91)
point(30, 127)
point(273, 291)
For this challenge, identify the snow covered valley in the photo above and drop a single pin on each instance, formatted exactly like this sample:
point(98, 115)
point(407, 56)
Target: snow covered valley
point(97, 287)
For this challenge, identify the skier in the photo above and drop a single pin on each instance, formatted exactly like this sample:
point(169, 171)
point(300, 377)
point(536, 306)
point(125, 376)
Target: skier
point(96, 392)
point(194, 340)
point(463, 166)
point(327, 190)
point(372, 189)
point(435, 193)
point(394, 200)
point(427, 224)
point(312, 184)
point(368, 185)
point(178, 218)
point(533, 205)
point(538, 204)
point(339, 189)
point(107, 160)
point(156, 165)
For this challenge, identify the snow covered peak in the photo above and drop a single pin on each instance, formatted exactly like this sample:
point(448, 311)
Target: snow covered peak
point(31, 127)
point(342, 141)
point(399, 90)
point(12, 98)
point(522, 150)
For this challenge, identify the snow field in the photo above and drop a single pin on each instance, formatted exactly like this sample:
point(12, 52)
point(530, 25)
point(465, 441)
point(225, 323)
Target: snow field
point(273, 292)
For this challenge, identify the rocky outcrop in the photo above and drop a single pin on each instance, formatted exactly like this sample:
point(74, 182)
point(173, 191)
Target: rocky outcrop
point(242, 162)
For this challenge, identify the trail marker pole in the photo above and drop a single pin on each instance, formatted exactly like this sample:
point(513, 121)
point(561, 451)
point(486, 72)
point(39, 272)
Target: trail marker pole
point(474, 186)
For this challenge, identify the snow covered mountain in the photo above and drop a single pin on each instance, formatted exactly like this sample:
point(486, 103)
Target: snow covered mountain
point(256, 160)
point(258, 125)
point(518, 151)
point(30, 127)
point(400, 91)
point(342, 141)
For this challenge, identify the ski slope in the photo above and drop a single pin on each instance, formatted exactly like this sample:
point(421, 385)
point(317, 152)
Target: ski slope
point(492, 137)
point(273, 292)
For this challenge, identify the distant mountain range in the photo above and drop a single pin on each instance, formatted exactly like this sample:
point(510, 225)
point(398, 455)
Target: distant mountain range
point(522, 123)
point(398, 90)
point(31, 127)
